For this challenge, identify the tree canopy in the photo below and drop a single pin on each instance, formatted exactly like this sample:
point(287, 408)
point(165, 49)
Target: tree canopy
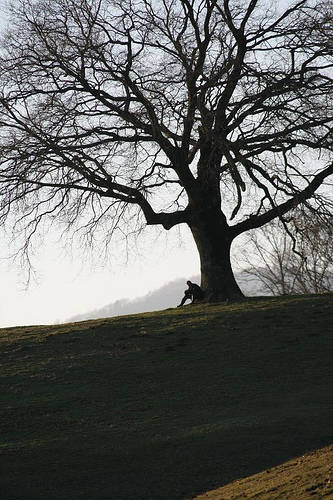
point(216, 114)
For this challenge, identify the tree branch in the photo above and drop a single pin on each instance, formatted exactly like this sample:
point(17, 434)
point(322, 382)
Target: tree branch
point(283, 208)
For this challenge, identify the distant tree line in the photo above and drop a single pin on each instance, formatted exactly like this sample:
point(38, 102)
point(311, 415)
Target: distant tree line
point(299, 262)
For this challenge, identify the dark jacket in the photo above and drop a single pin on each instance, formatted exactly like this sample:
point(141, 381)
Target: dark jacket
point(195, 291)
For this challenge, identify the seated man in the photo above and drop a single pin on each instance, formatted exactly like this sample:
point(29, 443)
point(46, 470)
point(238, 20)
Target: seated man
point(194, 293)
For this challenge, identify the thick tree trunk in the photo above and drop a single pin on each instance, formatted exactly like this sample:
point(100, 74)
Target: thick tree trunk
point(213, 241)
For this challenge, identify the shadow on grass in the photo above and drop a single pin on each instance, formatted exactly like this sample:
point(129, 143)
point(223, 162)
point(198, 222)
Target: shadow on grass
point(173, 469)
point(165, 406)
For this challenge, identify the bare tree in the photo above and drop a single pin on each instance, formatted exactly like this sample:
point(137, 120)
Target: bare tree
point(302, 263)
point(214, 114)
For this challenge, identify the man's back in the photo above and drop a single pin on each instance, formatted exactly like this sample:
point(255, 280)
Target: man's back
point(195, 291)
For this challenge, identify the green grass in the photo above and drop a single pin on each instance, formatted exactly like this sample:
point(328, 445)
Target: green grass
point(164, 405)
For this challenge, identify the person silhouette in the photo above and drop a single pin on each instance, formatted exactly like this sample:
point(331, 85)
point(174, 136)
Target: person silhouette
point(194, 293)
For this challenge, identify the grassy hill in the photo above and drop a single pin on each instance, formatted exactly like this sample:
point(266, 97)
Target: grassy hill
point(166, 405)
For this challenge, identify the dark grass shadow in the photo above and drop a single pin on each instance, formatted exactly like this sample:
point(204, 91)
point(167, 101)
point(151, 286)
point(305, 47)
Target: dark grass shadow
point(168, 406)
point(171, 469)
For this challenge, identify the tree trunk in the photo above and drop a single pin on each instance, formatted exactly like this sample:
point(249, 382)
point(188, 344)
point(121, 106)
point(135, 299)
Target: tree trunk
point(211, 235)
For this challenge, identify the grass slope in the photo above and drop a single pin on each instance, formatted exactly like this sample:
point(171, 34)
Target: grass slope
point(164, 405)
point(307, 477)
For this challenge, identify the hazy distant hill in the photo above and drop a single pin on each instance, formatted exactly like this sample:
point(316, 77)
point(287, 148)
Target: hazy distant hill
point(169, 295)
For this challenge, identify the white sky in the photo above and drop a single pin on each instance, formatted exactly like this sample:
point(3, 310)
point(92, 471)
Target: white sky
point(70, 283)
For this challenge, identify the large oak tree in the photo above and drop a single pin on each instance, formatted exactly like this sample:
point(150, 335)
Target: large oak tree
point(215, 114)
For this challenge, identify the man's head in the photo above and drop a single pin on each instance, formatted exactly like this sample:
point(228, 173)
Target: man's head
point(189, 282)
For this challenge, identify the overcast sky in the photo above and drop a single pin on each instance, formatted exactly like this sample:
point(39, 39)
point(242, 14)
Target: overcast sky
point(68, 282)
